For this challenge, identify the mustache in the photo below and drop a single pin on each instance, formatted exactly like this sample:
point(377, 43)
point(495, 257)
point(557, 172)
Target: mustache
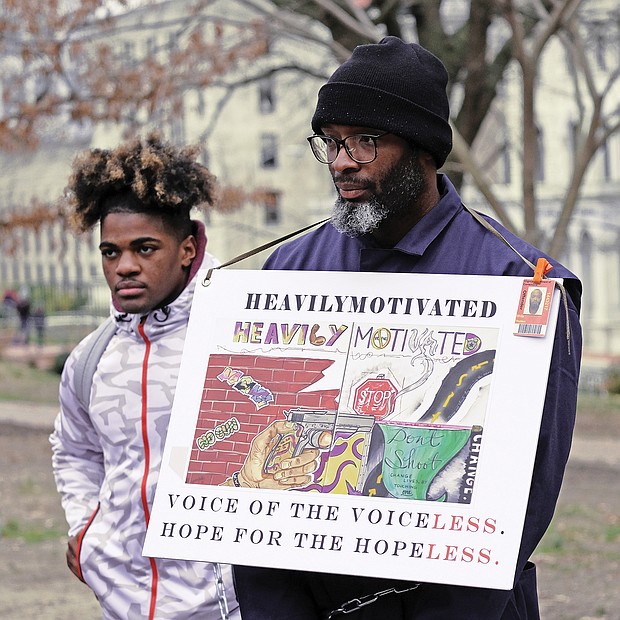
point(129, 284)
point(355, 180)
point(340, 177)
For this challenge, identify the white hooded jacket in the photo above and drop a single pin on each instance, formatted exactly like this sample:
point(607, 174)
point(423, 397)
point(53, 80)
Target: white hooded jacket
point(106, 464)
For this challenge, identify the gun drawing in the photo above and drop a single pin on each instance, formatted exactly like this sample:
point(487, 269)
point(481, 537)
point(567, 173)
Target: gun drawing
point(310, 425)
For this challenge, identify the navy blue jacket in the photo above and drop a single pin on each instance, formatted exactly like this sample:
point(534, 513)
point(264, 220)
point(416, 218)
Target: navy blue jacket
point(447, 240)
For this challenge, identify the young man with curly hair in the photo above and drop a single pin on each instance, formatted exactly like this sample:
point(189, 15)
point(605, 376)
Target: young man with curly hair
point(107, 454)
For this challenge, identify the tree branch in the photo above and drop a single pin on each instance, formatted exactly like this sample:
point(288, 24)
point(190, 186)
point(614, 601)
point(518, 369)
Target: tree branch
point(462, 152)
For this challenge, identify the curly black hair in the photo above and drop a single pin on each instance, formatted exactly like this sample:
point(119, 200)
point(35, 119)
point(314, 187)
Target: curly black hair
point(143, 175)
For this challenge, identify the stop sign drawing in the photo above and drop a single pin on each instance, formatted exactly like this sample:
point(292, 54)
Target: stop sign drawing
point(375, 397)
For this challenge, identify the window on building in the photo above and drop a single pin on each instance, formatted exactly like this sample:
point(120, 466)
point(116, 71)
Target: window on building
point(505, 161)
point(573, 137)
point(271, 206)
point(540, 155)
point(586, 247)
point(149, 47)
point(129, 51)
point(266, 96)
point(173, 42)
point(268, 150)
point(600, 48)
point(200, 102)
point(606, 161)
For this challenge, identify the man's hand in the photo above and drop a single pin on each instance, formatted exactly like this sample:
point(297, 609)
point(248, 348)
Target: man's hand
point(290, 473)
point(72, 561)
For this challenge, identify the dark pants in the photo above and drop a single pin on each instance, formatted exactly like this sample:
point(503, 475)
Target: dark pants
point(273, 594)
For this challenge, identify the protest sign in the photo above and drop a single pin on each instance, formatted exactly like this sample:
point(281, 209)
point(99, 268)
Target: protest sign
point(408, 399)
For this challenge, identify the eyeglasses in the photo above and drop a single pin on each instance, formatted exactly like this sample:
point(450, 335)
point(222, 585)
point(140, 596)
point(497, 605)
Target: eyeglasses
point(361, 147)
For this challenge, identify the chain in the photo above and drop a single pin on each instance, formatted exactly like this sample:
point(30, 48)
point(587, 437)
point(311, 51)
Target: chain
point(221, 591)
point(357, 603)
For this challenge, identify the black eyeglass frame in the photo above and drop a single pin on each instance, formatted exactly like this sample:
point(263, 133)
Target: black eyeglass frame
point(343, 143)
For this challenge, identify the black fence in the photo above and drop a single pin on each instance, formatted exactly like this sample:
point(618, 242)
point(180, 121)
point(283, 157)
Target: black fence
point(87, 298)
point(62, 313)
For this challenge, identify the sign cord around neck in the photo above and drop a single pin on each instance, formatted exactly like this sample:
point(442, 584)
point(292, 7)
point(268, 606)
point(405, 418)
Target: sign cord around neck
point(260, 248)
point(538, 272)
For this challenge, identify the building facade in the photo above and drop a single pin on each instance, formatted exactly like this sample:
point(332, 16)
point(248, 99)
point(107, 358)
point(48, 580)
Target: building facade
point(563, 109)
point(252, 124)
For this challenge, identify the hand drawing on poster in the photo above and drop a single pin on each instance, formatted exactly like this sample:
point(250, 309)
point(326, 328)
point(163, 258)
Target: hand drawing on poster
point(405, 420)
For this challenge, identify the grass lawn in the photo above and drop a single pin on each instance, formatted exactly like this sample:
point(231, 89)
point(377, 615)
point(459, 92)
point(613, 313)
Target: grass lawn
point(20, 382)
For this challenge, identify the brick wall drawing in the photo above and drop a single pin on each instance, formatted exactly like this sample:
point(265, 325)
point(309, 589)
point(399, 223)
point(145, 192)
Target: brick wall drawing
point(284, 377)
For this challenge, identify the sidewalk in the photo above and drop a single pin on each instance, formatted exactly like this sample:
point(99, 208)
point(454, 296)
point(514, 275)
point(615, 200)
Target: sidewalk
point(31, 415)
point(586, 450)
point(41, 356)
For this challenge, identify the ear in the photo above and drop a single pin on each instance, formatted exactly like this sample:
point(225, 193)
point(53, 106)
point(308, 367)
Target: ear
point(428, 161)
point(188, 250)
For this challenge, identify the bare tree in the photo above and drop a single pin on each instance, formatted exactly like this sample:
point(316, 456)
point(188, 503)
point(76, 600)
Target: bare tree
point(61, 61)
point(599, 111)
point(460, 34)
point(477, 47)
point(66, 66)
point(58, 62)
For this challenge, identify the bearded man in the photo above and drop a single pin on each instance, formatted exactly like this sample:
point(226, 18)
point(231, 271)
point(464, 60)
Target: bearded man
point(381, 125)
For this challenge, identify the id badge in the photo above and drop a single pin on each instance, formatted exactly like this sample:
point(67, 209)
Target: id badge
point(533, 310)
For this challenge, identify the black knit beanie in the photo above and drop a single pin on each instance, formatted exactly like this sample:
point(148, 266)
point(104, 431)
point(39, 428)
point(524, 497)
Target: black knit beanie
point(392, 86)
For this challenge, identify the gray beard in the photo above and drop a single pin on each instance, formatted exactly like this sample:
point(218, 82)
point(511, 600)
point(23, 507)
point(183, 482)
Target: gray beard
point(404, 184)
point(357, 218)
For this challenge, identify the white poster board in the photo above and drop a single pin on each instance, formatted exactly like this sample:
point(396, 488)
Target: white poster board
point(422, 405)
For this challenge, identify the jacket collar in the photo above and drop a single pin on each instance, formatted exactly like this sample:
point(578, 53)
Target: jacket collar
point(420, 236)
